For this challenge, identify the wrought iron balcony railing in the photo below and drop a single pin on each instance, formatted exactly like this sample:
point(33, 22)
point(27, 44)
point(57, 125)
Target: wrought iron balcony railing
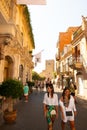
point(75, 62)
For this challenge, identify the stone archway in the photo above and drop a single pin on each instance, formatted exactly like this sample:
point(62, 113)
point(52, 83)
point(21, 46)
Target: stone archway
point(8, 68)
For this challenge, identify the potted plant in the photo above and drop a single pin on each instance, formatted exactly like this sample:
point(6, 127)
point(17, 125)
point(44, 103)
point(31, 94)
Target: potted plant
point(11, 89)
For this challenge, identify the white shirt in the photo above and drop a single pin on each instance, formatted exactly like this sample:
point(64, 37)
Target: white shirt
point(71, 105)
point(50, 100)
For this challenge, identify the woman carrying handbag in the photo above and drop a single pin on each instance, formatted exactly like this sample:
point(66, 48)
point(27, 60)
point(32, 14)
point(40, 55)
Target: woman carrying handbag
point(67, 108)
point(50, 102)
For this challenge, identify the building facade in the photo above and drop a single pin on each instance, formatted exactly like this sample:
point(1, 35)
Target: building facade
point(72, 59)
point(49, 69)
point(16, 42)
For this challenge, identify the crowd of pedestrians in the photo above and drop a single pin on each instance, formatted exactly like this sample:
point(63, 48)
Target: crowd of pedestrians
point(51, 103)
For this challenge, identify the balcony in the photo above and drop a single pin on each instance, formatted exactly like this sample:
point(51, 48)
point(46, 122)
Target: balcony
point(75, 63)
point(12, 30)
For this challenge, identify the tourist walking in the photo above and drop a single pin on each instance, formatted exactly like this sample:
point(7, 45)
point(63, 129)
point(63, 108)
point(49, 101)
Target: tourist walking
point(67, 109)
point(50, 107)
point(48, 82)
point(26, 92)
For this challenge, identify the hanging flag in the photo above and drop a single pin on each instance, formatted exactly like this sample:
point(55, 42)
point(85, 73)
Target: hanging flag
point(38, 57)
point(32, 2)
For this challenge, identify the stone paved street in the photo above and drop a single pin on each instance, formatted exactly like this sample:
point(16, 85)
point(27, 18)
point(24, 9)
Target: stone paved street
point(30, 115)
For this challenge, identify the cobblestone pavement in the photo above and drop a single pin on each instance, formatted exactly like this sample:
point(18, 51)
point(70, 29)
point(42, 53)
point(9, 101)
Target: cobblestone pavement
point(30, 115)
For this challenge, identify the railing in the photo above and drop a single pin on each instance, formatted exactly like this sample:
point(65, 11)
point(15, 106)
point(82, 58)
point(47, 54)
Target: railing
point(81, 60)
point(75, 62)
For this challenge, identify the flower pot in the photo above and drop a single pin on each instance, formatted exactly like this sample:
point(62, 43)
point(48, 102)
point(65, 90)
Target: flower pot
point(10, 117)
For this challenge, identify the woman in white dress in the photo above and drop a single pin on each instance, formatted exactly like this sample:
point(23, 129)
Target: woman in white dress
point(67, 108)
point(50, 102)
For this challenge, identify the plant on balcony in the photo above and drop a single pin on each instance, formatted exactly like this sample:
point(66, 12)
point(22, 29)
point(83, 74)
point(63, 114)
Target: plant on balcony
point(26, 15)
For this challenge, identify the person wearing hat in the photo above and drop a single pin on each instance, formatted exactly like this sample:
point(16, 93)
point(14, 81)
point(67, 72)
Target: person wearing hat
point(50, 106)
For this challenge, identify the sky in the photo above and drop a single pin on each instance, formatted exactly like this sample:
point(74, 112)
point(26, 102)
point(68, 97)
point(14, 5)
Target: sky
point(50, 19)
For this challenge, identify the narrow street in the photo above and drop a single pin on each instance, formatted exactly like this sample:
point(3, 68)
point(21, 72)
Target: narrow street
point(30, 115)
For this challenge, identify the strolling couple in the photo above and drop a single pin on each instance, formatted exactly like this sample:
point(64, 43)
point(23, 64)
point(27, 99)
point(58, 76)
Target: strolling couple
point(66, 104)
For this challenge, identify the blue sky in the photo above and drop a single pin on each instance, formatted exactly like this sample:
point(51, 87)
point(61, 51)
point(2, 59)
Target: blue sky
point(48, 20)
